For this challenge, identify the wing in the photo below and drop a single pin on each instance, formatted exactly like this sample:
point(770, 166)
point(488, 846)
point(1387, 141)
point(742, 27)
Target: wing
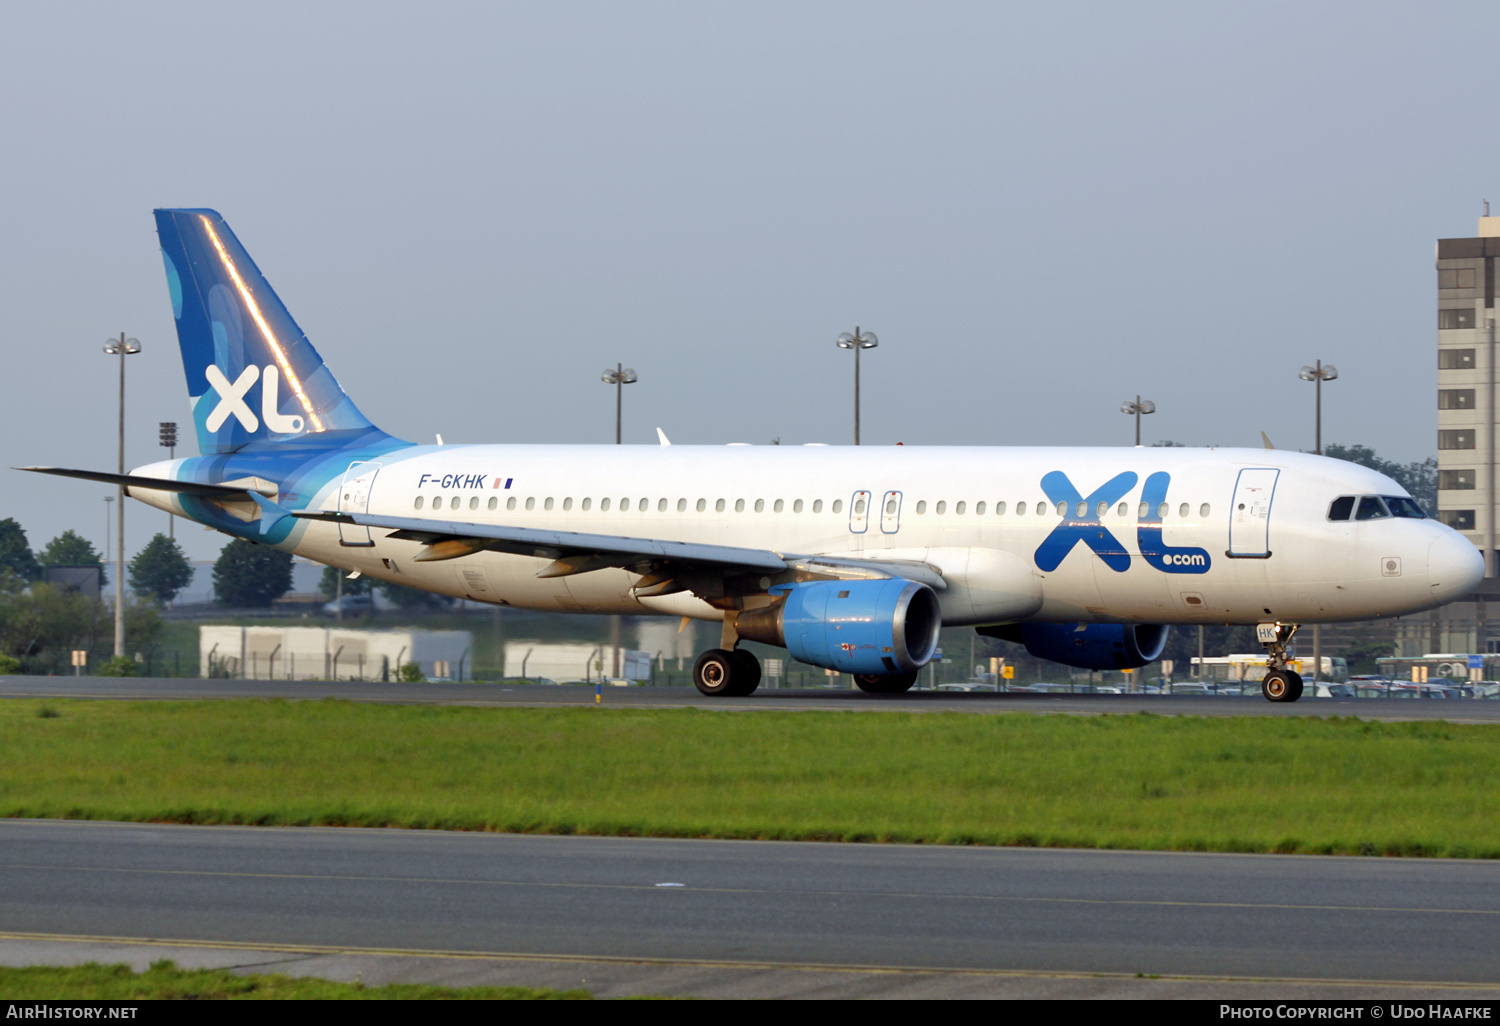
point(666, 566)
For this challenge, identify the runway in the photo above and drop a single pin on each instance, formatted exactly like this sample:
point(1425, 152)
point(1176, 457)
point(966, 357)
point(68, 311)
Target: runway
point(779, 918)
point(512, 694)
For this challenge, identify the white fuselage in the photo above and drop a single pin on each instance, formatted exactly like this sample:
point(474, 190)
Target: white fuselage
point(959, 509)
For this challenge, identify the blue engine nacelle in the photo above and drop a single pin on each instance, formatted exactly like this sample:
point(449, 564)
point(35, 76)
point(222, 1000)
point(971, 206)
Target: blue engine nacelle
point(866, 627)
point(1090, 646)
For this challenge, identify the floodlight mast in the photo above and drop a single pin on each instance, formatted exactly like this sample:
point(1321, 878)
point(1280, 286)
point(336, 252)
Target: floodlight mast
point(1318, 374)
point(856, 342)
point(1137, 408)
point(121, 347)
point(619, 377)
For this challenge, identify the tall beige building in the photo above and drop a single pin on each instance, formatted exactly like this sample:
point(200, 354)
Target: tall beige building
point(1466, 386)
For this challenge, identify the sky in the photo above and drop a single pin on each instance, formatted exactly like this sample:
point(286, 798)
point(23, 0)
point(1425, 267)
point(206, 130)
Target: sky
point(473, 209)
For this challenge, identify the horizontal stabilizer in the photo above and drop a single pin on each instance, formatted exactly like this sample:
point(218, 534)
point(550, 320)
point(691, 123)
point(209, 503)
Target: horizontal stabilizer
point(235, 490)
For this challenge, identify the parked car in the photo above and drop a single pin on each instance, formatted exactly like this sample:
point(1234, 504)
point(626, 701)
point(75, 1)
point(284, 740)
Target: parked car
point(351, 604)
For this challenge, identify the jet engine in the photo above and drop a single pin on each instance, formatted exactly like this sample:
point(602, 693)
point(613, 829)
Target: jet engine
point(881, 627)
point(1091, 646)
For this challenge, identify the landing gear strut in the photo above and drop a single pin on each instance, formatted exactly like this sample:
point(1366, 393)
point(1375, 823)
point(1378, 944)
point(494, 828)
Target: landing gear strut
point(1280, 684)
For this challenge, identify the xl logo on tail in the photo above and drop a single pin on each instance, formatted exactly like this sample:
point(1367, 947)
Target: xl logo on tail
point(232, 400)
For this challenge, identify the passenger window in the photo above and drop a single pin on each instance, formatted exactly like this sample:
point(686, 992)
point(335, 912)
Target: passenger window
point(1124, 509)
point(418, 503)
point(494, 501)
point(760, 505)
point(922, 506)
point(890, 505)
point(1062, 509)
point(1183, 510)
point(1000, 509)
point(979, 509)
point(568, 503)
point(530, 503)
point(682, 505)
point(586, 504)
point(604, 505)
point(859, 507)
point(1203, 511)
point(1020, 509)
point(625, 505)
point(702, 505)
point(1163, 510)
point(1341, 507)
point(1103, 509)
point(778, 507)
point(1371, 508)
point(942, 507)
point(454, 502)
point(719, 506)
point(797, 506)
point(838, 505)
point(548, 504)
point(1083, 509)
point(510, 503)
point(473, 502)
point(739, 505)
point(817, 505)
point(1143, 512)
point(959, 509)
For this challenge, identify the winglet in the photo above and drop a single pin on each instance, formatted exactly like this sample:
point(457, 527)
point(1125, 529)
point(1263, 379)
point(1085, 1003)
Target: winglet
point(663, 436)
point(271, 513)
point(1265, 439)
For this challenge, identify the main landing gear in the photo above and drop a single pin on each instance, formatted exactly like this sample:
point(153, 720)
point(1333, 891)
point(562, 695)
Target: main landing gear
point(1280, 683)
point(895, 684)
point(722, 671)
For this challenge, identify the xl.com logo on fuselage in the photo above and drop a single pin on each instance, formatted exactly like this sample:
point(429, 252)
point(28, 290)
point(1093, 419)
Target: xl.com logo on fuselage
point(1082, 524)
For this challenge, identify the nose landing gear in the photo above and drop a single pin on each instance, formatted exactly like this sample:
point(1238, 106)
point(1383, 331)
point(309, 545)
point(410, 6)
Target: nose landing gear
point(1280, 683)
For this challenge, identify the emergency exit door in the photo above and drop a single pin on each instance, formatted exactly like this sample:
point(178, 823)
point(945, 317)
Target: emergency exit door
point(1250, 513)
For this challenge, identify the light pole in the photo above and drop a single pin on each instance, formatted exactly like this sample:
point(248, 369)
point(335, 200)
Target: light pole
point(109, 505)
point(619, 377)
point(1137, 409)
point(121, 347)
point(856, 342)
point(167, 432)
point(1318, 374)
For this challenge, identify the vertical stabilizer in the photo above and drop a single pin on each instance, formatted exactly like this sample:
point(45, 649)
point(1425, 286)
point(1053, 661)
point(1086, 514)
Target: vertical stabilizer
point(254, 380)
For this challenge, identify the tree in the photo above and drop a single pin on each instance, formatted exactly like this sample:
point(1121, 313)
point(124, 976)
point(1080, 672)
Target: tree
point(160, 570)
point(16, 557)
point(413, 598)
point(250, 575)
point(328, 584)
point(1418, 478)
point(72, 549)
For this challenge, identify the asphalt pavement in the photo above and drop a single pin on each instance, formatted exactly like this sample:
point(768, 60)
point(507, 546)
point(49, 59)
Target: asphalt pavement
point(843, 699)
point(728, 918)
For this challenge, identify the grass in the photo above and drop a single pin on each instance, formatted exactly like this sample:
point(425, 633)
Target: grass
point(165, 981)
point(1250, 784)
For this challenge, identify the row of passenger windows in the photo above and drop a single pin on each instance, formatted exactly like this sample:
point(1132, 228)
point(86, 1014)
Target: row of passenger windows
point(939, 508)
point(1374, 507)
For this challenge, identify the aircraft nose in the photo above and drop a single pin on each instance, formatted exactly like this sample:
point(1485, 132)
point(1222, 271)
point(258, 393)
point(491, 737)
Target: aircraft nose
point(1454, 566)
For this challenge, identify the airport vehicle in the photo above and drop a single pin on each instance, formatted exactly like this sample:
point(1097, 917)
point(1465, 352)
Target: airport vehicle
point(850, 558)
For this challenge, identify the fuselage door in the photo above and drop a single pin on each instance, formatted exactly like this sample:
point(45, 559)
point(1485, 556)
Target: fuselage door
point(859, 513)
point(354, 497)
point(890, 512)
point(1250, 513)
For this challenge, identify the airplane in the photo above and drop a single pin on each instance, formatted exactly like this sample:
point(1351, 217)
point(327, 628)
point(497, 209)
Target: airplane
point(851, 558)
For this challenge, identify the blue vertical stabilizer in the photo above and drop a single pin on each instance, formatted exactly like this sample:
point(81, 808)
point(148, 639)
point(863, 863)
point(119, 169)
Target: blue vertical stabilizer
point(254, 380)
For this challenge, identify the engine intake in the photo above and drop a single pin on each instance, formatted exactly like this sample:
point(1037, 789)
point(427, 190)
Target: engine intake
point(867, 627)
point(1091, 646)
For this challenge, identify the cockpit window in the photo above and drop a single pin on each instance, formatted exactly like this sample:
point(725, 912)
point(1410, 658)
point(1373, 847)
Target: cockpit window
point(1341, 508)
point(1371, 508)
point(1401, 506)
